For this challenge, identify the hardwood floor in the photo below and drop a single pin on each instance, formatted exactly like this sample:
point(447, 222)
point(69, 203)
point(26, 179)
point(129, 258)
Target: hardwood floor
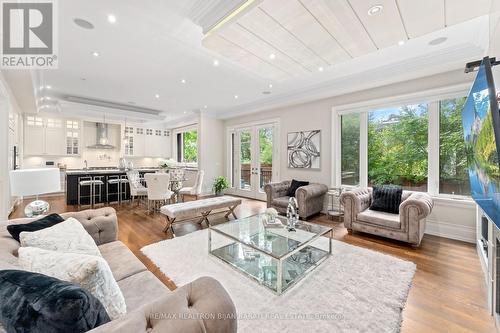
point(448, 292)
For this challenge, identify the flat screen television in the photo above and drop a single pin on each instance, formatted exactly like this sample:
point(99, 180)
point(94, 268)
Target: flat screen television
point(481, 124)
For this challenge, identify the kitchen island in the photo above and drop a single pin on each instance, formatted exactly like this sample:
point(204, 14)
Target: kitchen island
point(73, 177)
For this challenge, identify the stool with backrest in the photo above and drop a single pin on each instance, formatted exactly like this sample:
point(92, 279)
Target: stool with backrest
point(137, 190)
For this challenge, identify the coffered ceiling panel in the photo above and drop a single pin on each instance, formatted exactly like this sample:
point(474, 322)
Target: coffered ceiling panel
point(305, 27)
point(385, 28)
point(341, 22)
point(258, 47)
point(413, 12)
point(458, 11)
point(243, 57)
point(266, 27)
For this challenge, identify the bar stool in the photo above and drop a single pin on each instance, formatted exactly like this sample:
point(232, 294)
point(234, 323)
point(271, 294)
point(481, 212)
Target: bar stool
point(124, 188)
point(92, 183)
point(114, 181)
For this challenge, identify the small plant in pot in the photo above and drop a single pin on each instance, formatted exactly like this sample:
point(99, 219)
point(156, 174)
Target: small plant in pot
point(220, 184)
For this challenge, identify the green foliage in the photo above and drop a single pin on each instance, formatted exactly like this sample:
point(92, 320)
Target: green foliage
point(266, 146)
point(486, 151)
point(350, 148)
point(190, 145)
point(397, 151)
point(220, 184)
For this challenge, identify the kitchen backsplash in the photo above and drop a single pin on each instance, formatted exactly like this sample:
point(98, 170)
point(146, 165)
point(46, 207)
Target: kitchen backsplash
point(95, 158)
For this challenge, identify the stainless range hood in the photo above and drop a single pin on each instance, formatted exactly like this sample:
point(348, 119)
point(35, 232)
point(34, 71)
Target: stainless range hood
point(102, 139)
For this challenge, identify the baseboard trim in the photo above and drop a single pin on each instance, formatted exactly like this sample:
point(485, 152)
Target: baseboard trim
point(451, 230)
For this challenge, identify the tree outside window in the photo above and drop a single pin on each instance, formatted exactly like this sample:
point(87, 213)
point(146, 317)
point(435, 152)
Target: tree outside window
point(453, 176)
point(190, 146)
point(397, 146)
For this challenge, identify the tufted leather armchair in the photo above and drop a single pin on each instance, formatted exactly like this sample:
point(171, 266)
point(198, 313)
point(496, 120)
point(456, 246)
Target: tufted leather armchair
point(407, 226)
point(310, 198)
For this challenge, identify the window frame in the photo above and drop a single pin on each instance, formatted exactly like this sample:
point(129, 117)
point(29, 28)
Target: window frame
point(432, 98)
point(179, 151)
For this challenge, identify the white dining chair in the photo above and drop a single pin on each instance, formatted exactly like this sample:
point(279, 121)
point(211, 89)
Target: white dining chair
point(158, 189)
point(194, 190)
point(137, 190)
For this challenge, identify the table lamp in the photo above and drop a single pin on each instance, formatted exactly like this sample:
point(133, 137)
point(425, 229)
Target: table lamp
point(29, 182)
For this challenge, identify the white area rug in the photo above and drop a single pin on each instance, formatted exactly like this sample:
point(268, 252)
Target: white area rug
point(355, 290)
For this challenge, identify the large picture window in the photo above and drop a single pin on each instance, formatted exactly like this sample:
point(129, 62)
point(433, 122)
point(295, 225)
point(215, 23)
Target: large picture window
point(397, 146)
point(453, 176)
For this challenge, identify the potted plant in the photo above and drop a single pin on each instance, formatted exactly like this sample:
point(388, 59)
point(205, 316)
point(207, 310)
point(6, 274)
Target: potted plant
point(167, 165)
point(220, 184)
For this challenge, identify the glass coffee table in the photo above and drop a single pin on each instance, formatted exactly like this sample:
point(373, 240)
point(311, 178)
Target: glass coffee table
point(274, 257)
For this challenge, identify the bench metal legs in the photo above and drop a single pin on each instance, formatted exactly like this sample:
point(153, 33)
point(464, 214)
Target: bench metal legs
point(204, 217)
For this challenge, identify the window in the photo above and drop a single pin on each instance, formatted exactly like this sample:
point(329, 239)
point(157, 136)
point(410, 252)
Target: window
point(453, 176)
point(397, 146)
point(34, 121)
point(350, 148)
point(139, 131)
point(187, 146)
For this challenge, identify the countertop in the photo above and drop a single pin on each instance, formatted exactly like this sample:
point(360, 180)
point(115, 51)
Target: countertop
point(105, 171)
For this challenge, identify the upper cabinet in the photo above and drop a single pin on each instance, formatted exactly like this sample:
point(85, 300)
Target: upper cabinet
point(51, 136)
point(146, 142)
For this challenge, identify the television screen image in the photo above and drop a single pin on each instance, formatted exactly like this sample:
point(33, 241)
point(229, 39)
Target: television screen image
point(481, 123)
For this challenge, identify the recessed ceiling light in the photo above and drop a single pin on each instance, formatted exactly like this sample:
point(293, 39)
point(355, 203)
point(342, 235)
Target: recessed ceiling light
point(438, 41)
point(236, 96)
point(185, 112)
point(95, 54)
point(48, 87)
point(320, 69)
point(111, 18)
point(374, 10)
point(216, 62)
point(83, 23)
point(205, 106)
point(270, 85)
point(157, 96)
point(272, 56)
point(183, 81)
point(401, 43)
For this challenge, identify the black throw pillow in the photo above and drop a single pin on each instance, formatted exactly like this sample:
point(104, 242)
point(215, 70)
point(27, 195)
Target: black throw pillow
point(36, 303)
point(45, 222)
point(386, 198)
point(294, 186)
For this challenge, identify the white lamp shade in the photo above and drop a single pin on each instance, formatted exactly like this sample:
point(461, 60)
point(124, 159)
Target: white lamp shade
point(35, 181)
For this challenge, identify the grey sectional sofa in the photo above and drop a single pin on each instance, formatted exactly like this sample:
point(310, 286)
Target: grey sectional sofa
point(150, 304)
point(310, 198)
point(407, 226)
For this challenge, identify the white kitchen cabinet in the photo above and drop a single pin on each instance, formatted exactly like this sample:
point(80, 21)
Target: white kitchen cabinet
point(49, 136)
point(140, 142)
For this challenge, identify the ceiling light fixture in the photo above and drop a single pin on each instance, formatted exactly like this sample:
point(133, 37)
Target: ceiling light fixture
point(374, 10)
point(111, 18)
point(95, 54)
point(205, 106)
point(83, 23)
point(272, 56)
point(270, 85)
point(401, 43)
point(48, 87)
point(216, 62)
point(185, 112)
point(157, 96)
point(183, 81)
point(320, 69)
point(236, 96)
point(438, 41)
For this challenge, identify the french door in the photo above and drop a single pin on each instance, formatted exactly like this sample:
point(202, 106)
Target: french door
point(252, 157)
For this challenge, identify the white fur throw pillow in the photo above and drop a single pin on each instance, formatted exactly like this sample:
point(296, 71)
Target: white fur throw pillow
point(67, 236)
point(90, 272)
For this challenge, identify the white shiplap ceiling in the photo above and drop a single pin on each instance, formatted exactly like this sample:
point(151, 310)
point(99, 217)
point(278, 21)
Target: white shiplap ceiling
point(306, 35)
point(154, 45)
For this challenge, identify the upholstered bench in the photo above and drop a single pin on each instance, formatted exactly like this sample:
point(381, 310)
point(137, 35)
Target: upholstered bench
point(199, 208)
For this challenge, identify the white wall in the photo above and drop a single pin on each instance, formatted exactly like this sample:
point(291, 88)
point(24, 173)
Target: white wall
point(210, 149)
point(450, 218)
